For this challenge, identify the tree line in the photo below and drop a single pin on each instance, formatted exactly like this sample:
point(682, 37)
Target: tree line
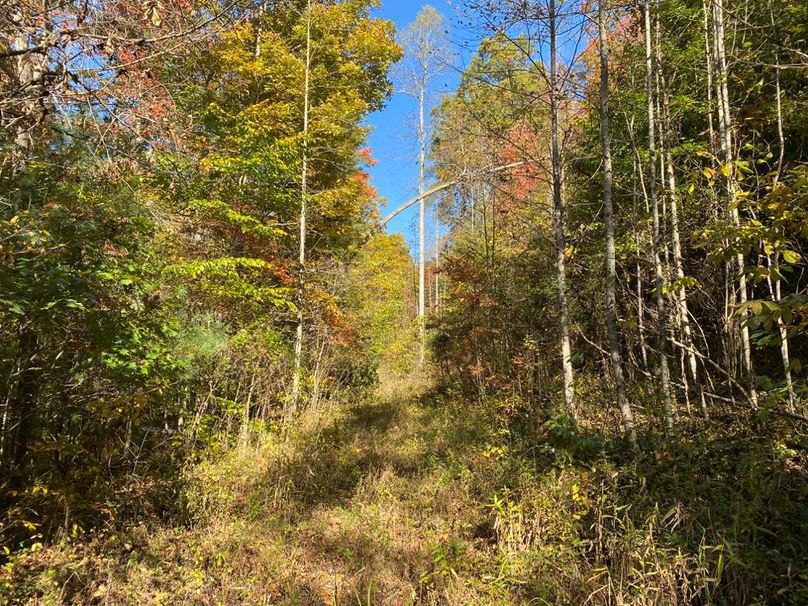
point(187, 239)
point(657, 226)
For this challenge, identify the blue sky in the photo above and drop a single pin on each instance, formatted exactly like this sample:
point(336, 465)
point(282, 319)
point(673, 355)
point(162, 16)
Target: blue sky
point(393, 136)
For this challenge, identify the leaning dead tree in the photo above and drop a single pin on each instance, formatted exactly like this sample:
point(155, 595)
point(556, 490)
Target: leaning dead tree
point(435, 189)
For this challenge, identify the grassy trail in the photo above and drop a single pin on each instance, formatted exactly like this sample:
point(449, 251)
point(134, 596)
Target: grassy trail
point(424, 498)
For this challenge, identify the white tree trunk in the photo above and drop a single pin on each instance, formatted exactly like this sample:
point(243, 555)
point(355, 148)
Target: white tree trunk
point(776, 291)
point(608, 211)
point(304, 193)
point(662, 337)
point(422, 223)
point(683, 320)
point(728, 168)
point(558, 219)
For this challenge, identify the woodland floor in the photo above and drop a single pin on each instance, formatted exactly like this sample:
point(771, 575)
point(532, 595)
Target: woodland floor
point(419, 497)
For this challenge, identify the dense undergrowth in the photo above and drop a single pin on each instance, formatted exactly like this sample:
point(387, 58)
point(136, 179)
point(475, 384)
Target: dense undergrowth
point(432, 497)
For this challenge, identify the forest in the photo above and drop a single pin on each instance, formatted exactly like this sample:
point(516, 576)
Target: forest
point(228, 378)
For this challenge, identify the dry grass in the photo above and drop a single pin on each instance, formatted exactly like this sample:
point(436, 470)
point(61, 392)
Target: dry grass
point(404, 500)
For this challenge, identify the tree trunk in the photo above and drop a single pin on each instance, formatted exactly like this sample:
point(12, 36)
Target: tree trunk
point(437, 263)
point(728, 168)
point(639, 270)
point(708, 61)
point(422, 223)
point(608, 211)
point(776, 291)
point(20, 408)
point(558, 219)
point(662, 329)
point(681, 292)
point(304, 194)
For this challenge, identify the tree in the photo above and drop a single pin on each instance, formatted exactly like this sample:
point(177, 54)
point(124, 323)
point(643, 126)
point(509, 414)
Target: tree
point(662, 328)
point(304, 192)
point(557, 171)
point(608, 211)
point(149, 284)
point(426, 55)
point(728, 168)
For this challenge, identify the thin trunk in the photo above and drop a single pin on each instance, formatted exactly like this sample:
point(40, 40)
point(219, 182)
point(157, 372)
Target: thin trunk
point(437, 264)
point(639, 271)
point(304, 194)
point(774, 263)
point(728, 168)
point(473, 210)
point(259, 34)
point(639, 176)
point(422, 223)
point(776, 295)
point(709, 65)
point(730, 334)
point(21, 403)
point(608, 211)
point(681, 293)
point(558, 220)
point(662, 344)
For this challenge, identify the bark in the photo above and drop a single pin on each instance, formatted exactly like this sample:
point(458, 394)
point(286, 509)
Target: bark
point(683, 319)
point(437, 266)
point(662, 329)
point(558, 217)
point(422, 222)
point(20, 408)
point(304, 194)
point(608, 211)
point(776, 293)
point(639, 177)
point(259, 34)
point(709, 68)
point(728, 167)
point(639, 272)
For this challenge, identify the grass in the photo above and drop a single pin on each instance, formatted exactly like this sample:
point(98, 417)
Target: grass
point(429, 498)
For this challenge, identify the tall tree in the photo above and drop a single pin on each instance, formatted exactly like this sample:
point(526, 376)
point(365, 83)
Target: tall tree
point(557, 177)
point(608, 212)
point(304, 192)
point(729, 170)
point(426, 55)
point(662, 328)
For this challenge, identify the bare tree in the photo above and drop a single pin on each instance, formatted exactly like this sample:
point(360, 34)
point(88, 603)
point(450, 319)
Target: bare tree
point(426, 55)
point(662, 329)
point(557, 172)
point(608, 211)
